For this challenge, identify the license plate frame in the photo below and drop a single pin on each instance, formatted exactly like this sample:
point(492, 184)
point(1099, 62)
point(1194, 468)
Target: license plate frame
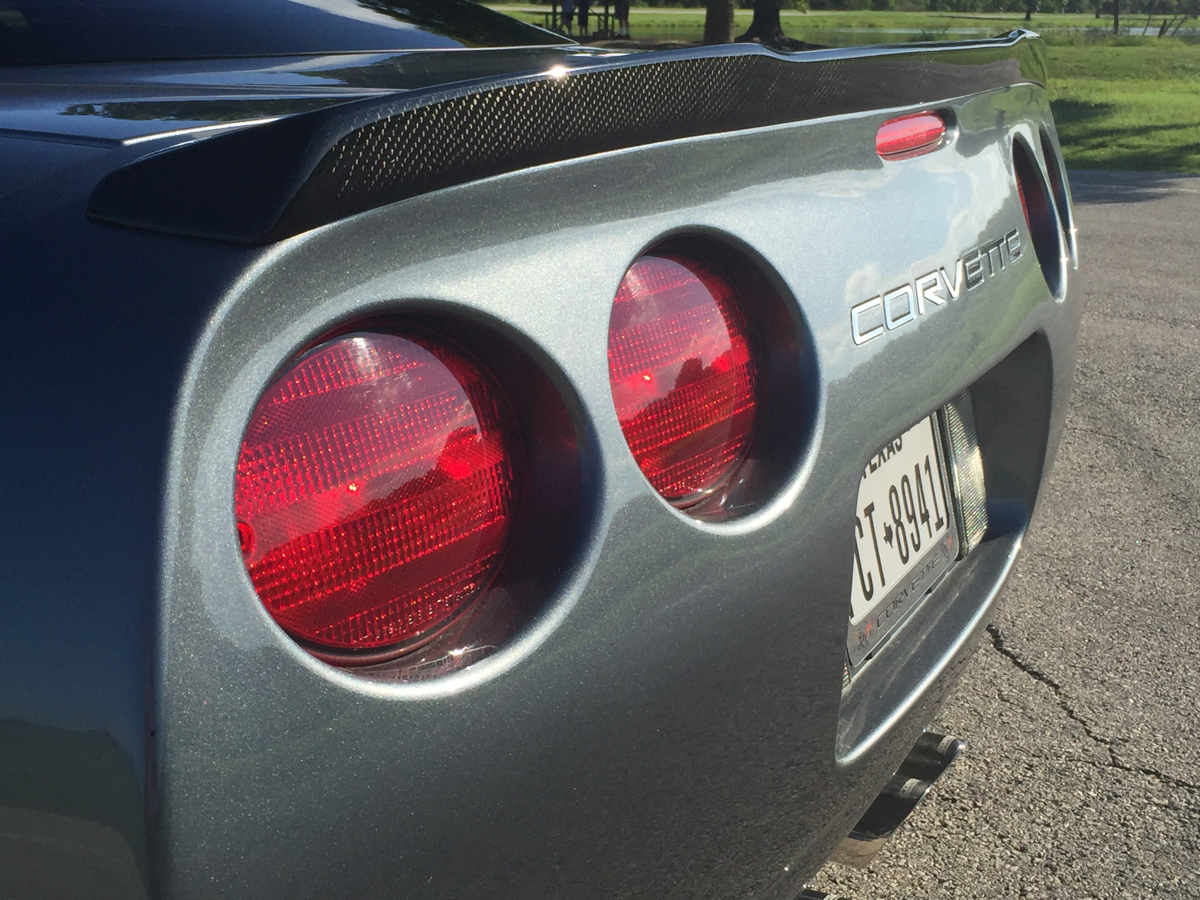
point(893, 502)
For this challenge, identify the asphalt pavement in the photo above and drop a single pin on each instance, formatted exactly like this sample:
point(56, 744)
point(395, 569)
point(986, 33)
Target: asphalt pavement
point(1082, 708)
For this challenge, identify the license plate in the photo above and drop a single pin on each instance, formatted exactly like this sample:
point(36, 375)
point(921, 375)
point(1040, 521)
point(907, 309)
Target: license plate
point(905, 535)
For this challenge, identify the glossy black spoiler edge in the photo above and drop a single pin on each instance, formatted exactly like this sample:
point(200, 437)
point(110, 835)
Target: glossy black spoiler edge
point(273, 180)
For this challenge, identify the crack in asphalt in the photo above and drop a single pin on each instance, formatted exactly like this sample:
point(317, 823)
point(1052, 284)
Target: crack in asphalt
point(1109, 744)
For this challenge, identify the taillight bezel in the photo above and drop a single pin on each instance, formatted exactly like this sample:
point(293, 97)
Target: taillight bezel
point(1057, 179)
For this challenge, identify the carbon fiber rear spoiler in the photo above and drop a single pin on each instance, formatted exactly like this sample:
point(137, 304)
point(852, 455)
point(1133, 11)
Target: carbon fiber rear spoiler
point(277, 179)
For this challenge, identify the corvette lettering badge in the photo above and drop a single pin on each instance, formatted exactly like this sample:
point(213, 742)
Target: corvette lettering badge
point(924, 294)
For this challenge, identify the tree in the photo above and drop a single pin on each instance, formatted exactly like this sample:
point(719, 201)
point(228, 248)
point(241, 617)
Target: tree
point(1149, 16)
point(1116, 18)
point(1030, 8)
point(765, 27)
point(1188, 9)
point(718, 22)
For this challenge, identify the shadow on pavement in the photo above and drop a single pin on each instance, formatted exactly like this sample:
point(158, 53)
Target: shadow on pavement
point(1094, 186)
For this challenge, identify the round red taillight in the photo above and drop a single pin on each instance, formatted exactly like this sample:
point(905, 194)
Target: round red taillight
point(683, 378)
point(374, 491)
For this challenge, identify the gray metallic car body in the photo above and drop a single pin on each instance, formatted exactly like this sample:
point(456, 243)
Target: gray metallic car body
point(672, 721)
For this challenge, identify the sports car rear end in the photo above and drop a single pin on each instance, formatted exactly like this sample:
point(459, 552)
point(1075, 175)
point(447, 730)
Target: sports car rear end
point(643, 689)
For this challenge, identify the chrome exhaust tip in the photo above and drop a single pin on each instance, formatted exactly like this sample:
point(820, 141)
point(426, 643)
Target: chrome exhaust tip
point(928, 759)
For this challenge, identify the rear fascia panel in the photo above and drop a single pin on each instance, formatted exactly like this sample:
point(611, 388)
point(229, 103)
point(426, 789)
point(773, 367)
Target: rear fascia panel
point(673, 724)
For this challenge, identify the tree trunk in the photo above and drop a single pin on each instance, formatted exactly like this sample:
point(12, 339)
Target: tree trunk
point(765, 27)
point(1149, 16)
point(1116, 18)
point(718, 22)
point(1030, 9)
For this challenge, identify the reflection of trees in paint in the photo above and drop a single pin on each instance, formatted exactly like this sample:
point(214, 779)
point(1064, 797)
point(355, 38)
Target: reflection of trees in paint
point(78, 774)
point(128, 31)
point(711, 409)
point(468, 22)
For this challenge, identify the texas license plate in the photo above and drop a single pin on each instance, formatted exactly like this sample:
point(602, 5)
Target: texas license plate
point(905, 535)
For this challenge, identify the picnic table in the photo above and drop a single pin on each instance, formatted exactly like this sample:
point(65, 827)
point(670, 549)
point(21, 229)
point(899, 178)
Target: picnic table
point(603, 29)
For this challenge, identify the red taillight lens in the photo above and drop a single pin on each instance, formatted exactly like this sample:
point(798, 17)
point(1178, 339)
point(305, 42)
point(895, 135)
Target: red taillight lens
point(911, 135)
point(682, 375)
point(1024, 203)
point(374, 491)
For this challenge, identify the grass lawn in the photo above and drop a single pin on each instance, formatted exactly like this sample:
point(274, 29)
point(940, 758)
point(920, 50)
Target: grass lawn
point(836, 26)
point(1125, 103)
point(1128, 107)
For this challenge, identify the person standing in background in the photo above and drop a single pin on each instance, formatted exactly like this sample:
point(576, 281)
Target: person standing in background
point(568, 15)
point(582, 6)
point(621, 11)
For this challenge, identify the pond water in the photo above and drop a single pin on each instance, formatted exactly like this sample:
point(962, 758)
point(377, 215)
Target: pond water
point(841, 37)
point(1152, 31)
point(851, 36)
